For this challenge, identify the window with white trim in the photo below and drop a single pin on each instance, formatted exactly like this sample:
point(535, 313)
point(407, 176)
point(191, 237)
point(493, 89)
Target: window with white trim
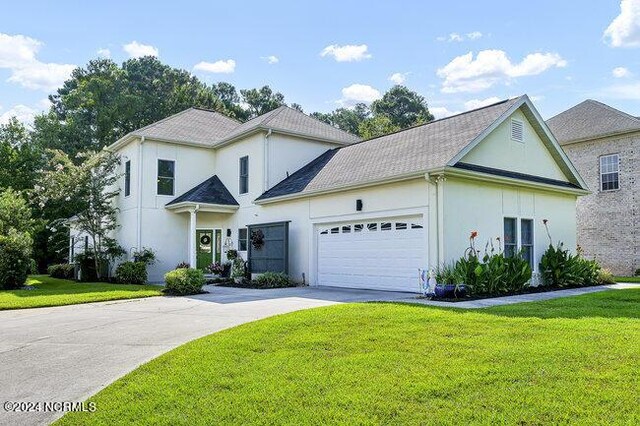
point(127, 178)
point(609, 172)
point(510, 236)
point(244, 175)
point(519, 239)
point(242, 239)
point(166, 177)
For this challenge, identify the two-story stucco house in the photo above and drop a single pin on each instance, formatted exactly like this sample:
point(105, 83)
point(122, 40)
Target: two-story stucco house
point(604, 145)
point(363, 214)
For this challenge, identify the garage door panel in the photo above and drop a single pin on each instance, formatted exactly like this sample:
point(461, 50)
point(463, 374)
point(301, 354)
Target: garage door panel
point(383, 256)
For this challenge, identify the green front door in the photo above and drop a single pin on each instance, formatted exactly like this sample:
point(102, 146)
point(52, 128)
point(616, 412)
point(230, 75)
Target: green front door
point(204, 248)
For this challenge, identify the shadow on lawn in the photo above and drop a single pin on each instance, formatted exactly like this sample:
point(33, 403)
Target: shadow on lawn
point(43, 285)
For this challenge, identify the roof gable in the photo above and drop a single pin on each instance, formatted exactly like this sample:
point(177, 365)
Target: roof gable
point(288, 120)
point(193, 125)
point(530, 157)
point(211, 191)
point(590, 120)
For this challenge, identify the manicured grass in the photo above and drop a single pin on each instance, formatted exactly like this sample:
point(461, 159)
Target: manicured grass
point(384, 363)
point(627, 279)
point(55, 292)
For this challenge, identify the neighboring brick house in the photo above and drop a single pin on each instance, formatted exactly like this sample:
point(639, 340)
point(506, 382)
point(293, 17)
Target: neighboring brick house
point(604, 145)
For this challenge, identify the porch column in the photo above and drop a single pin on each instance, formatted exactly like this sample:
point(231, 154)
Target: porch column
point(192, 238)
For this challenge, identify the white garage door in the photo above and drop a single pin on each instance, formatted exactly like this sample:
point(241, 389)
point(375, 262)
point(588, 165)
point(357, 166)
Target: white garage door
point(375, 254)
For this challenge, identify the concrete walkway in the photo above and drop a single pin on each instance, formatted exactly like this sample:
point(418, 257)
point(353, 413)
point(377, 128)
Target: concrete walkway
point(69, 353)
point(532, 297)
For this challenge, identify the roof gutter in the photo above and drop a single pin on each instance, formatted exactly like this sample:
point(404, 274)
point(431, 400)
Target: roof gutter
point(492, 178)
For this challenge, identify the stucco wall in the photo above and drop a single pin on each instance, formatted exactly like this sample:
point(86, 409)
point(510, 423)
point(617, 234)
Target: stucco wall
point(609, 222)
point(530, 157)
point(482, 207)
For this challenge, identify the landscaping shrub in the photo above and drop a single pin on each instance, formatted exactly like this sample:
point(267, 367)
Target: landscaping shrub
point(131, 273)
point(146, 256)
point(61, 270)
point(15, 259)
point(637, 273)
point(559, 268)
point(184, 281)
point(605, 277)
point(273, 280)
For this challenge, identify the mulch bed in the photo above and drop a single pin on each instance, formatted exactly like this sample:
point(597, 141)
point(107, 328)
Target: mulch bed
point(529, 290)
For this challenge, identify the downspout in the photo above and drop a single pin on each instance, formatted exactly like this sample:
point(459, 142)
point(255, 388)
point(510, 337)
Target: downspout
point(266, 161)
point(139, 210)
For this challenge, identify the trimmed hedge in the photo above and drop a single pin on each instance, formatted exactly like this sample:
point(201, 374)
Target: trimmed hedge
point(61, 270)
point(184, 281)
point(272, 280)
point(131, 273)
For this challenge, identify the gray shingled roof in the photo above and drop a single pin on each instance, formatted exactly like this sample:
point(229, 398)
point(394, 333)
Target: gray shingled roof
point(414, 150)
point(289, 120)
point(211, 191)
point(193, 125)
point(590, 119)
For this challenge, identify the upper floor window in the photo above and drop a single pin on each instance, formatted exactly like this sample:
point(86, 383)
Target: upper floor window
point(609, 172)
point(127, 178)
point(166, 177)
point(244, 175)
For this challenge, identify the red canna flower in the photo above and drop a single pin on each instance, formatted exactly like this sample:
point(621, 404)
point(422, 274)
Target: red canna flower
point(474, 234)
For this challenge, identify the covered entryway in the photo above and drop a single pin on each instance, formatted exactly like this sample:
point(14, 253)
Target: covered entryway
point(381, 254)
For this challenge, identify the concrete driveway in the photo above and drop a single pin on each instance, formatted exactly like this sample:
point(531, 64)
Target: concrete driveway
point(69, 353)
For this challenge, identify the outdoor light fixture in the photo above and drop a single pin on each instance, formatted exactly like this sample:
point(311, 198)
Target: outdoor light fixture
point(359, 205)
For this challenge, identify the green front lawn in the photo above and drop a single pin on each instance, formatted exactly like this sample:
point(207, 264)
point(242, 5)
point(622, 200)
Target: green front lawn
point(55, 292)
point(627, 279)
point(570, 360)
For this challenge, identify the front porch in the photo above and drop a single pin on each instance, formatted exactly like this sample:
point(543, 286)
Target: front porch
point(209, 206)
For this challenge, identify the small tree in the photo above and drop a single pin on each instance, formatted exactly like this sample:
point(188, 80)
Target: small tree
point(91, 186)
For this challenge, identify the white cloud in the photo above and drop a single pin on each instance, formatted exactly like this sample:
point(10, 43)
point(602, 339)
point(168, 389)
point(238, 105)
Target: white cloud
point(220, 67)
point(479, 103)
point(629, 91)
point(442, 112)
point(620, 72)
point(398, 77)
point(271, 59)
point(23, 113)
point(474, 35)
point(355, 93)
point(624, 30)
point(18, 54)
point(347, 53)
point(466, 74)
point(137, 50)
point(104, 53)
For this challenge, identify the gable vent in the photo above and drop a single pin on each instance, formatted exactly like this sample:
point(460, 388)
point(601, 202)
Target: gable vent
point(517, 130)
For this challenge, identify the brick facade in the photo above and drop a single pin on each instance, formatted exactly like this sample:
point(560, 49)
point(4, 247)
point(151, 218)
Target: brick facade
point(609, 222)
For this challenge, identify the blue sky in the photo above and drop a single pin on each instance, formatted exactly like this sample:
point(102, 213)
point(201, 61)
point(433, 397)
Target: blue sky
point(325, 54)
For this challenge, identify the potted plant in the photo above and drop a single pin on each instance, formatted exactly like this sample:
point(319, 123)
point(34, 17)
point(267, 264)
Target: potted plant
point(449, 282)
point(237, 270)
point(216, 269)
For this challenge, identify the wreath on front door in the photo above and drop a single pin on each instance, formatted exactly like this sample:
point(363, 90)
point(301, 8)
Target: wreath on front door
point(257, 239)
